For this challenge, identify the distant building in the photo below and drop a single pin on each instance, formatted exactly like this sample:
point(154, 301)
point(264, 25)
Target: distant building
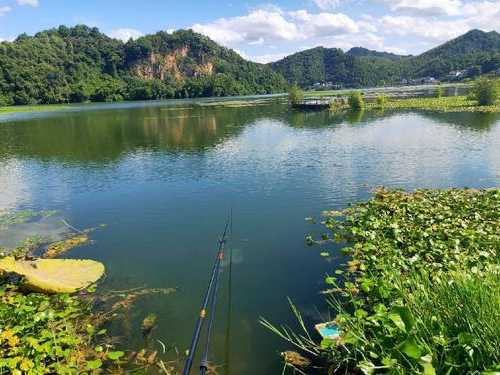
point(455, 75)
point(325, 86)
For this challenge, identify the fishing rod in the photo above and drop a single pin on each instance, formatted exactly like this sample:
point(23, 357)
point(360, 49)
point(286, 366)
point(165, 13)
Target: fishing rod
point(203, 311)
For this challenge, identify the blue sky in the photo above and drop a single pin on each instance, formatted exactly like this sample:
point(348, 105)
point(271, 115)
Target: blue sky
point(266, 31)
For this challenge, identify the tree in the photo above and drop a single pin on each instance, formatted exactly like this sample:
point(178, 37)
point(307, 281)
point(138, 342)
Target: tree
point(485, 91)
point(295, 94)
point(356, 101)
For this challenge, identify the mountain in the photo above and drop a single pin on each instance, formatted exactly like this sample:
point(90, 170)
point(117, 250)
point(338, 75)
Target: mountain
point(476, 50)
point(333, 65)
point(80, 63)
point(364, 52)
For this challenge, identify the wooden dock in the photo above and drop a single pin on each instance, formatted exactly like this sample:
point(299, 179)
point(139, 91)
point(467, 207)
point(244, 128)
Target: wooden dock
point(312, 104)
point(318, 104)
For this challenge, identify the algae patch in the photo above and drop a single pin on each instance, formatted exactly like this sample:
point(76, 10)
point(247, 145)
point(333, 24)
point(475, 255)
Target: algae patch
point(54, 275)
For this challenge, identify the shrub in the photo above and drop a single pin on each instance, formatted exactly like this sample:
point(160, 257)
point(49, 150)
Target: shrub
point(439, 93)
point(295, 94)
point(337, 104)
point(381, 100)
point(485, 91)
point(356, 101)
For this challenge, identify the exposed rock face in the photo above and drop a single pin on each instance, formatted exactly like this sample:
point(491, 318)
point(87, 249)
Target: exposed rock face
point(159, 66)
point(206, 69)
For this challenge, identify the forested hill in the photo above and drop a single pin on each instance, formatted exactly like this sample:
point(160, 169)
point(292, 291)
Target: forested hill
point(476, 50)
point(364, 52)
point(80, 63)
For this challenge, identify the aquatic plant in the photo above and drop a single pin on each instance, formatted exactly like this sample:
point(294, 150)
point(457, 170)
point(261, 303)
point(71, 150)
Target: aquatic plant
point(443, 104)
point(356, 101)
point(44, 334)
point(381, 100)
point(54, 275)
point(419, 293)
point(60, 247)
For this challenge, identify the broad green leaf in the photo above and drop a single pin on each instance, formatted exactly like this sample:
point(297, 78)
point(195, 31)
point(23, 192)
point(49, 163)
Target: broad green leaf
point(396, 319)
point(94, 365)
point(406, 316)
point(115, 355)
point(411, 348)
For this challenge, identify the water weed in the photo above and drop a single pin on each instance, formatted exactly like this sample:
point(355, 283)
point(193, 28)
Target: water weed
point(420, 291)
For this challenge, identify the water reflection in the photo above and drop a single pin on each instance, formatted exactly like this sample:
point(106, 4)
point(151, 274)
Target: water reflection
point(100, 136)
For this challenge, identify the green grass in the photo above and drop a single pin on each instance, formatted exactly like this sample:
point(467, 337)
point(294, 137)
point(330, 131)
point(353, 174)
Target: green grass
point(32, 108)
point(420, 292)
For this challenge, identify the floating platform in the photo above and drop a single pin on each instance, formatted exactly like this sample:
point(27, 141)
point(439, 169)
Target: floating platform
point(312, 106)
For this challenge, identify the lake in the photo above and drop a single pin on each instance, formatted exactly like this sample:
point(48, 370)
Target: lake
point(162, 176)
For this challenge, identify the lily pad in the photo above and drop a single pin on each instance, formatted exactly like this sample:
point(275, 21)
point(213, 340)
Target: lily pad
point(54, 275)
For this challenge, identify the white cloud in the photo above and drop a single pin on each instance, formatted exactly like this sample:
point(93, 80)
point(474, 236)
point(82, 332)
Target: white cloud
point(323, 24)
point(326, 4)
point(406, 26)
point(426, 7)
point(269, 57)
point(252, 27)
point(125, 34)
point(261, 26)
point(31, 3)
point(4, 10)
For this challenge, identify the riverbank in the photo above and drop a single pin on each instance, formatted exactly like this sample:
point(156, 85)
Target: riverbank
point(420, 290)
point(61, 333)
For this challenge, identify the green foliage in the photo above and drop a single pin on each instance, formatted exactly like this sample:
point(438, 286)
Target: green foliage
point(443, 104)
point(295, 94)
point(439, 93)
point(419, 293)
point(381, 100)
point(415, 259)
point(485, 91)
point(40, 333)
point(81, 64)
point(356, 101)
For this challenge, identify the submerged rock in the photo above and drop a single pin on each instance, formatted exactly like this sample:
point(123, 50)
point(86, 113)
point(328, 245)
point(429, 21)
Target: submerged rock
point(54, 275)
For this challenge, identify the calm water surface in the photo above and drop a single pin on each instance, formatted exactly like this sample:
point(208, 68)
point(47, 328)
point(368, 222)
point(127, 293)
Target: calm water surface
point(163, 177)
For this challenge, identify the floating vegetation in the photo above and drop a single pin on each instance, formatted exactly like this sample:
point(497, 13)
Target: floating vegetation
point(148, 324)
point(114, 303)
point(441, 104)
point(54, 275)
point(57, 248)
point(295, 359)
point(420, 292)
point(234, 103)
point(8, 218)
